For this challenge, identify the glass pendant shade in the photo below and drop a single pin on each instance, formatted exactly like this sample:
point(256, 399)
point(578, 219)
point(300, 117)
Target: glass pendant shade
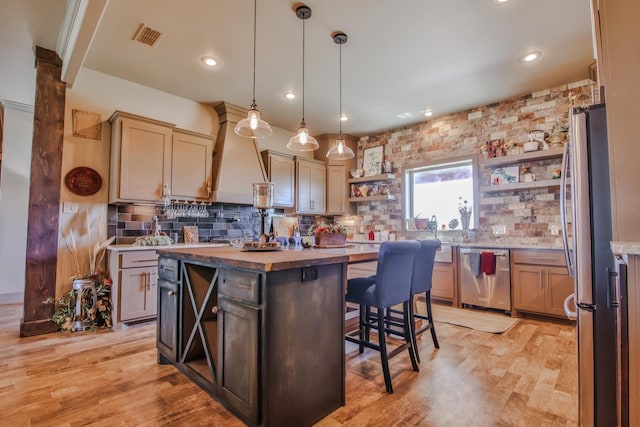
point(340, 150)
point(253, 126)
point(302, 141)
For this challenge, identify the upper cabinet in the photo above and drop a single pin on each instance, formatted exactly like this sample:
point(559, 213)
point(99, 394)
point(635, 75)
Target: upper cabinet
point(310, 185)
point(191, 165)
point(337, 195)
point(148, 155)
point(281, 170)
point(140, 158)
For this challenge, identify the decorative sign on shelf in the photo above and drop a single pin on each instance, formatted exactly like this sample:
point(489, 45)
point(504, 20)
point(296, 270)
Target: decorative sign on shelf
point(372, 160)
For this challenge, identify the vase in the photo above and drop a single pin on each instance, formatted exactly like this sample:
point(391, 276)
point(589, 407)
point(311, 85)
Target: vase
point(465, 220)
point(330, 239)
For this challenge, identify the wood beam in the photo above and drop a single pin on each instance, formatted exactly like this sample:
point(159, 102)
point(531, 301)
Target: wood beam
point(44, 194)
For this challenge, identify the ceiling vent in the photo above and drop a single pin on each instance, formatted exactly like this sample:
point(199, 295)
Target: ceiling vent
point(147, 35)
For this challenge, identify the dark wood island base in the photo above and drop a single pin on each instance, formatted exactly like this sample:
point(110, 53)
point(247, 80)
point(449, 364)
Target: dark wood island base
point(262, 332)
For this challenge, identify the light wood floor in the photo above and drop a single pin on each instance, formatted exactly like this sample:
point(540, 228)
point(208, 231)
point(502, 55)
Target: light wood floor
point(524, 377)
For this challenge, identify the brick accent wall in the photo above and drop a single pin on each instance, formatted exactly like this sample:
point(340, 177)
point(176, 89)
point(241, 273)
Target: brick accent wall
point(528, 215)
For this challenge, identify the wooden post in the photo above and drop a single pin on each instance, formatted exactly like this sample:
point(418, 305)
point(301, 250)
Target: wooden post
point(44, 194)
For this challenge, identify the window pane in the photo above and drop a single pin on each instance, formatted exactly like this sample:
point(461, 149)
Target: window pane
point(439, 190)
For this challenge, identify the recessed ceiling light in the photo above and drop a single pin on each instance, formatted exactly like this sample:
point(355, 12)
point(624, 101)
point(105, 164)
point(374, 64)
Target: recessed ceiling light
point(344, 118)
point(404, 115)
point(209, 60)
point(290, 95)
point(428, 113)
point(500, 1)
point(530, 56)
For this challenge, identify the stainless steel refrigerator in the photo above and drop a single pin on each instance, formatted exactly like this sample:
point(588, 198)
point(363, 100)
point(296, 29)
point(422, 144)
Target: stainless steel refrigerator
point(585, 186)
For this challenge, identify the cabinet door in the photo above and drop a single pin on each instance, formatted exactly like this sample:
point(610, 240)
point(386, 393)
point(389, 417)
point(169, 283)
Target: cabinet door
point(336, 190)
point(191, 163)
point(282, 174)
point(559, 287)
point(528, 288)
point(145, 160)
point(310, 186)
point(443, 281)
point(238, 327)
point(167, 333)
point(137, 293)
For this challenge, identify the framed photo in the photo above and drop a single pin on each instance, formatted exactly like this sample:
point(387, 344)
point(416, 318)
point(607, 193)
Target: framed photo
point(372, 160)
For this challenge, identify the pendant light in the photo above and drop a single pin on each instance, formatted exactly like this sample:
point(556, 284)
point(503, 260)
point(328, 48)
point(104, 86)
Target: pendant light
point(340, 150)
point(303, 141)
point(253, 126)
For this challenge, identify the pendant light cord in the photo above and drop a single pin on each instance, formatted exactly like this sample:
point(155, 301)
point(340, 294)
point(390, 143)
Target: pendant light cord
point(255, 20)
point(303, 32)
point(340, 118)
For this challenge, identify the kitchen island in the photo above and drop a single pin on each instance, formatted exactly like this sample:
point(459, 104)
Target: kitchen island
point(262, 332)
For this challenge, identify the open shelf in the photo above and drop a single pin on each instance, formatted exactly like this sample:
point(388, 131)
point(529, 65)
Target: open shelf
point(370, 178)
point(520, 185)
point(519, 158)
point(372, 198)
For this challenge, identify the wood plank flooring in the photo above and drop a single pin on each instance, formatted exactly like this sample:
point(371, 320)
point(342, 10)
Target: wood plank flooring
point(524, 377)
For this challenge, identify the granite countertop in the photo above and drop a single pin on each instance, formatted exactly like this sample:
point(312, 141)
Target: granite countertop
point(124, 248)
point(283, 259)
point(625, 248)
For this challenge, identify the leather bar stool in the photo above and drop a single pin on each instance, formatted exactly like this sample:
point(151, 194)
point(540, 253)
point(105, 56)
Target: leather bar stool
point(391, 286)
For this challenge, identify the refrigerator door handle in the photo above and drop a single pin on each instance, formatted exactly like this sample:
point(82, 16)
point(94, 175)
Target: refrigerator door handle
point(572, 315)
point(563, 207)
point(614, 288)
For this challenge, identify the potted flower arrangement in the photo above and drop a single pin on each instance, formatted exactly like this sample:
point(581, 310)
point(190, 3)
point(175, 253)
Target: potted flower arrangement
point(465, 213)
point(95, 308)
point(329, 234)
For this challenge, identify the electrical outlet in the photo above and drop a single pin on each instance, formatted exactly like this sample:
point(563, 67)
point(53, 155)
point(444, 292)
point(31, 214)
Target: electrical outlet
point(69, 207)
point(554, 229)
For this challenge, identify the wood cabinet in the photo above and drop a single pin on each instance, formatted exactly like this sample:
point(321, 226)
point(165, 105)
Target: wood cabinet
point(148, 156)
point(337, 190)
point(281, 171)
point(444, 282)
point(191, 166)
point(168, 303)
point(310, 186)
point(140, 158)
point(540, 281)
point(134, 289)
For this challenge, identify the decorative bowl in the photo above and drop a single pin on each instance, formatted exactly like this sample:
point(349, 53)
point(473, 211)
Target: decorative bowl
point(357, 173)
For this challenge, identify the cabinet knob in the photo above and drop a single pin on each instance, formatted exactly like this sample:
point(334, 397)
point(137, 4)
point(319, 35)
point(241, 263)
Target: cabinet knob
point(216, 309)
point(171, 293)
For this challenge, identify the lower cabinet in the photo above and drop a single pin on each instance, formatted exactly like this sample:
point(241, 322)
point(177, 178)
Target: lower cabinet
point(540, 281)
point(444, 282)
point(134, 290)
point(168, 303)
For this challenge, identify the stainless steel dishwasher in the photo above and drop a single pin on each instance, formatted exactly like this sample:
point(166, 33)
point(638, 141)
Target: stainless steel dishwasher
point(481, 289)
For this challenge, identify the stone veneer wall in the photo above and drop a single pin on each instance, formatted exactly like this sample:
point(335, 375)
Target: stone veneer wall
point(527, 214)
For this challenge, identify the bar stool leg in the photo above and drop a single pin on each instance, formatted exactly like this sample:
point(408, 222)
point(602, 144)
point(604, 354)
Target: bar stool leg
point(410, 319)
point(430, 316)
point(409, 334)
point(361, 327)
point(383, 351)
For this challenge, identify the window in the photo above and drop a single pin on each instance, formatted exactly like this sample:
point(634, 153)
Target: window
point(438, 189)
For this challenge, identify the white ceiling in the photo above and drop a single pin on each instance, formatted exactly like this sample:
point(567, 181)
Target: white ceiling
point(403, 56)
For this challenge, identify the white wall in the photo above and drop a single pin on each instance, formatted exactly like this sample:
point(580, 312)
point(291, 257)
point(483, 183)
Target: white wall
point(14, 198)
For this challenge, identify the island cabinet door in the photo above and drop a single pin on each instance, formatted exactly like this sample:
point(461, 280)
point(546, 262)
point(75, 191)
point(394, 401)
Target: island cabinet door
point(167, 334)
point(238, 327)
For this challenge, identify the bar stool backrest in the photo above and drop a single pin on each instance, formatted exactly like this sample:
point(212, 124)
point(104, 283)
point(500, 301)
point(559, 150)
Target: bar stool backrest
point(423, 266)
point(393, 275)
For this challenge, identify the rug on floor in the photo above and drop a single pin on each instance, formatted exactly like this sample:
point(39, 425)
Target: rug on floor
point(478, 319)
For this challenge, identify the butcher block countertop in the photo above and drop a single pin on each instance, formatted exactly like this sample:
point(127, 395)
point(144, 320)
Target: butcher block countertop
point(277, 260)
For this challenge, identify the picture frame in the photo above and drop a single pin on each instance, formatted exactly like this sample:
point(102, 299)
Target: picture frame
point(506, 175)
point(372, 160)
point(86, 124)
